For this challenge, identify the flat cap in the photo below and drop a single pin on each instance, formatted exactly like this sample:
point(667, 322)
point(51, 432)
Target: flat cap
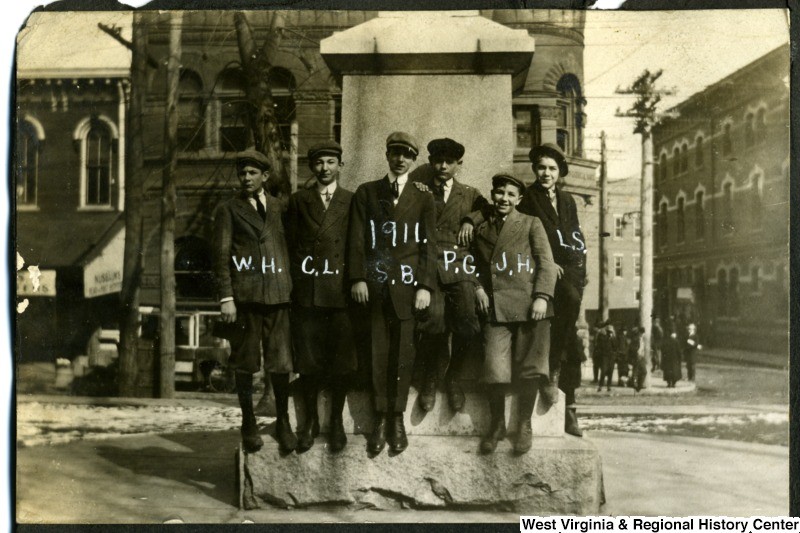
point(550, 150)
point(325, 148)
point(498, 180)
point(401, 138)
point(251, 156)
point(446, 148)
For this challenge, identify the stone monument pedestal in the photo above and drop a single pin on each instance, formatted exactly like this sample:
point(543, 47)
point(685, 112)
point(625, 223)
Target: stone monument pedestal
point(441, 468)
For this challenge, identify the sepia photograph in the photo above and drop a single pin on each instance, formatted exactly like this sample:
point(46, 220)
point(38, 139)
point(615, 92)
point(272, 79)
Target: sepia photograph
point(423, 267)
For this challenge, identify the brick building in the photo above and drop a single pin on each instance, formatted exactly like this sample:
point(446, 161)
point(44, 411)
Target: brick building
point(721, 208)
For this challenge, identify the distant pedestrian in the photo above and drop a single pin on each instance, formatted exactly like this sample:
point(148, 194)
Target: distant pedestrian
point(656, 337)
point(637, 359)
point(690, 347)
point(671, 355)
point(605, 349)
point(621, 356)
point(597, 329)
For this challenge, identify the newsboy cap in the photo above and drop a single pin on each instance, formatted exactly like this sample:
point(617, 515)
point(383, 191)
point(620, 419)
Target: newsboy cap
point(498, 180)
point(553, 151)
point(446, 148)
point(251, 156)
point(325, 148)
point(403, 139)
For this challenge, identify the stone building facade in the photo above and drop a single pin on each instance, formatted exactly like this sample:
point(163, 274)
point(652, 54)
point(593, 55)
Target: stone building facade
point(721, 208)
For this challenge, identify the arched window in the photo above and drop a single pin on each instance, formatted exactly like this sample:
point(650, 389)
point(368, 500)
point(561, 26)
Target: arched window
point(233, 109)
point(722, 293)
point(761, 124)
point(99, 138)
point(727, 141)
point(681, 221)
point(662, 167)
point(699, 156)
point(727, 208)
point(676, 162)
point(282, 86)
point(756, 201)
point(733, 293)
point(699, 216)
point(749, 130)
point(569, 124)
point(29, 138)
point(684, 157)
point(662, 225)
point(191, 112)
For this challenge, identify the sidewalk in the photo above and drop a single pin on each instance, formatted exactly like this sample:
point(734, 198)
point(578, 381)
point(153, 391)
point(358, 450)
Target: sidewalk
point(742, 357)
point(153, 478)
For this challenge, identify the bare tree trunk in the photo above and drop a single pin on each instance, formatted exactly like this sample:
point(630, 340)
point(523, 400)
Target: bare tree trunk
point(261, 120)
point(168, 202)
point(132, 262)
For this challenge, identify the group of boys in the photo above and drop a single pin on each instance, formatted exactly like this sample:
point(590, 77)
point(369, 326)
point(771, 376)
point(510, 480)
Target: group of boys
point(289, 282)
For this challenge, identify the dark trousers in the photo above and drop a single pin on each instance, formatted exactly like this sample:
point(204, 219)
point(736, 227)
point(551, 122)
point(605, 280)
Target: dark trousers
point(452, 309)
point(689, 356)
point(261, 328)
point(323, 342)
point(563, 335)
point(392, 355)
point(606, 373)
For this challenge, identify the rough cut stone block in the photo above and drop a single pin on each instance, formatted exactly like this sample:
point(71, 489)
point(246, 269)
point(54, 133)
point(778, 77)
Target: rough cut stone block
point(557, 476)
point(472, 420)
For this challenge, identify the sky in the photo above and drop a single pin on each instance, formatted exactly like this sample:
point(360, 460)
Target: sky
point(695, 49)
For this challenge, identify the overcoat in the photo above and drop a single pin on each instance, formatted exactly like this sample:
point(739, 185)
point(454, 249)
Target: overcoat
point(522, 241)
point(388, 243)
point(312, 231)
point(250, 257)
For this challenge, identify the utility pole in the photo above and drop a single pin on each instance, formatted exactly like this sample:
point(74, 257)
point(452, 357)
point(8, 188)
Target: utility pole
point(644, 110)
point(603, 229)
point(168, 203)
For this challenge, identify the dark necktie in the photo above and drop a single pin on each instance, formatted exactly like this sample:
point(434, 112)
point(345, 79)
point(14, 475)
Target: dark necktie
point(262, 211)
point(396, 189)
point(438, 197)
point(498, 223)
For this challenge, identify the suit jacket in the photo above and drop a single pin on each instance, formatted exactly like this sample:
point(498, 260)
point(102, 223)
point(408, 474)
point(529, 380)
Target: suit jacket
point(463, 200)
point(251, 261)
point(563, 230)
point(311, 230)
point(378, 255)
point(522, 241)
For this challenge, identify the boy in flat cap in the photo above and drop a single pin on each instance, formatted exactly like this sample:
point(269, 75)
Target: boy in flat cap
point(316, 232)
point(452, 307)
point(392, 268)
point(251, 268)
point(517, 277)
point(558, 214)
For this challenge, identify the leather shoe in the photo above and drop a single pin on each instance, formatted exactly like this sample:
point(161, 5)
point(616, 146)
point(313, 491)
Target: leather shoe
point(306, 435)
point(498, 433)
point(397, 434)
point(427, 396)
point(284, 434)
point(455, 396)
point(524, 437)
point(377, 439)
point(571, 422)
point(251, 441)
point(337, 437)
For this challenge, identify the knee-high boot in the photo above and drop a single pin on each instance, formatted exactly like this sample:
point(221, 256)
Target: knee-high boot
point(497, 426)
point(526, 400)
point(251, 442)
point(310, 429)
point(283, 429)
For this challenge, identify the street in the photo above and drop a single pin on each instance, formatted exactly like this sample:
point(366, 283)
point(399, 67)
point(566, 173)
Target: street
point(697, 443)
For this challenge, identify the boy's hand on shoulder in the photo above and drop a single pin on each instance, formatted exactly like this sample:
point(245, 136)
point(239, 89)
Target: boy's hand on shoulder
point(465, 234)
point(421, 186)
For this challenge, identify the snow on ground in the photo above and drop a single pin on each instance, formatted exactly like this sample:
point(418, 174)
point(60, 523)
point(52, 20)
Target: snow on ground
point(40, 423)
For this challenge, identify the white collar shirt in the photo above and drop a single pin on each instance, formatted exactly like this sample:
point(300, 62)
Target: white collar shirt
point(401, 183)
point(326, 193)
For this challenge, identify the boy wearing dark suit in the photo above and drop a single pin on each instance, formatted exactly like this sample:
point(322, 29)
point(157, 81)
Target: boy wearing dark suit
point(391, 262)
point(316, 230)
point(517, 277)
point(251, 268)
point(452, 307)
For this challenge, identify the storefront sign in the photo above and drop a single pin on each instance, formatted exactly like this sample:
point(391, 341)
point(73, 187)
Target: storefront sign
point(103, 274)
point(26, 286)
